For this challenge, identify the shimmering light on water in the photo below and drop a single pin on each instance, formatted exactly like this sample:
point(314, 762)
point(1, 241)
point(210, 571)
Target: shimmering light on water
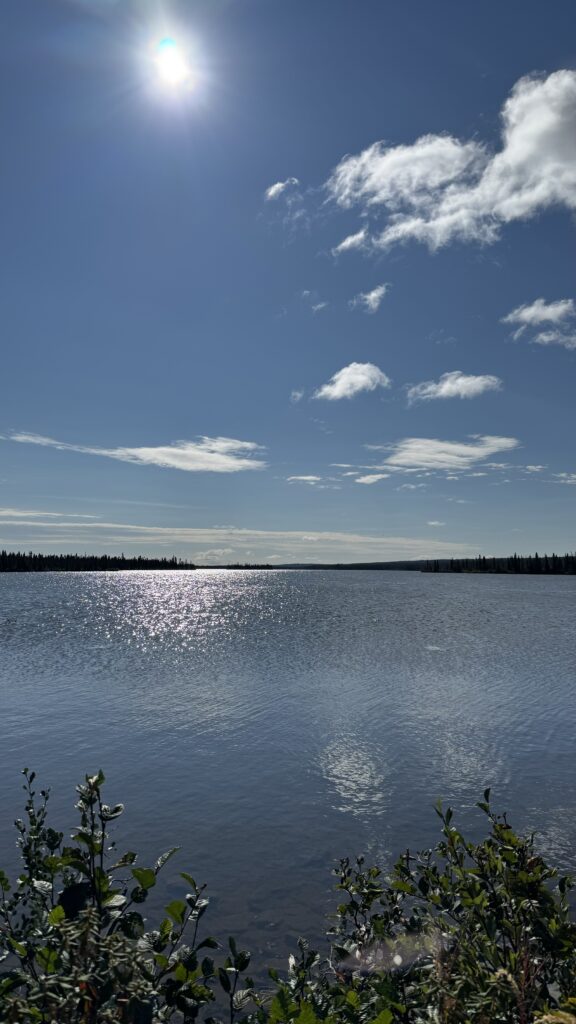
point(270, 722)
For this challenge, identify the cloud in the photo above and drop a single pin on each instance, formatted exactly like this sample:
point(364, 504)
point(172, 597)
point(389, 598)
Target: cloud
point(371, 478)
point(288, 546)
point(207, 454)
point(564, 338)
point(370, 302)
point(210, 554)
point(351, 380)
point(19, 513)
point(316, 304)
point(276, 190)
point(566, 478)
point(414, 453)
point(296, 396)
point(441, 189)
point(559, 316)
point(355, 241)
point(304, 479)
point(453, 385)
point(435, 522)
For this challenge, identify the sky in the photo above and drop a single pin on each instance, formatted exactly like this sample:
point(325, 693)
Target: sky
point(288, 280)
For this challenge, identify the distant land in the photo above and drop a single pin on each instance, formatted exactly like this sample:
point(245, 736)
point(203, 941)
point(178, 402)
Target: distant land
point(557, 565)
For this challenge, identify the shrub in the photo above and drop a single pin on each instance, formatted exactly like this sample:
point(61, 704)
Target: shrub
point(465, 932)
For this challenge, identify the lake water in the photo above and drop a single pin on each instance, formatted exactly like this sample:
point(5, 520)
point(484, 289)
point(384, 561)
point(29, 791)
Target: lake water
point(271, 721)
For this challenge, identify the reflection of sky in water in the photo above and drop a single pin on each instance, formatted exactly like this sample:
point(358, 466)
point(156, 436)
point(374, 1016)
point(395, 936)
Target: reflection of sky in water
point(270, 722)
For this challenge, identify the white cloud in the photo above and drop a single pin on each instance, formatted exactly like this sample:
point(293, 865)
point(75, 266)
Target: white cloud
point(370, 302)
point(296, 396)
point(371, 478)
point(435, 522)
point(534, 469)
point(19, 513)
point(355, 241)
point(304, 479)
point(286, 546)
point(410, 487)
point(207, 454)
point(560, 316)
point(351, 380)
point(276, 190)
point(566, 478)
point(441, 189)
point(540, 312)
point(564, 338)
point(414, 453)
point(454, 385)
point(211, 554)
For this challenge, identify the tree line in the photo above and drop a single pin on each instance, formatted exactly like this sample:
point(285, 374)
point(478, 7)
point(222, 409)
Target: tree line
point(557, 565)
point(18, 561)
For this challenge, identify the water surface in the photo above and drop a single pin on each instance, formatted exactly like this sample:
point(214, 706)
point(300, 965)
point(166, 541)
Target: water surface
point(271, 721)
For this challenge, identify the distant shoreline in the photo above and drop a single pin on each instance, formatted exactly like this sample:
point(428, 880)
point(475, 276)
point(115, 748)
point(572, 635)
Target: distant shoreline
point(512, 565)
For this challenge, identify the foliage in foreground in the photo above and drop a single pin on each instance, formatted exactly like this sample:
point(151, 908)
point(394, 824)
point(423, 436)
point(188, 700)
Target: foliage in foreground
point(466, 932)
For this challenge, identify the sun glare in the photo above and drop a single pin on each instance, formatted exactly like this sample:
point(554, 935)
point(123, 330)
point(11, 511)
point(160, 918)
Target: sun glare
point(172, 65)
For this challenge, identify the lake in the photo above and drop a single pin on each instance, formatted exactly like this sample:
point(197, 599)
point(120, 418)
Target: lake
point(271, 721)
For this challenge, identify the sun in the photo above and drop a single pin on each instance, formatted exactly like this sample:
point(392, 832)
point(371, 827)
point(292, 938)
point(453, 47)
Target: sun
point(172, 65)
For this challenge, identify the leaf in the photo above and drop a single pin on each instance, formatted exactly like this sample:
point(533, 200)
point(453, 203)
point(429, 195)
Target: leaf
point(56, 915)
point(385, 1017)
point(48, 959)
point(224, 979)
point(176, 909)
point(145, 877)
point(109, 813)
point(164, 858)
point(241, 998)
point(43, 887)
point(306, 1015)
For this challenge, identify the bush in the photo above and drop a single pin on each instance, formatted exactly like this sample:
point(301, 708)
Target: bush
point(466, 932)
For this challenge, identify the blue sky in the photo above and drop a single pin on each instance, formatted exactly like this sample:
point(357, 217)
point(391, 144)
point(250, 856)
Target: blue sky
point(313, 301)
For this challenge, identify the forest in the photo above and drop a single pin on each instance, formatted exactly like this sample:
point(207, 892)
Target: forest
point(17, 561)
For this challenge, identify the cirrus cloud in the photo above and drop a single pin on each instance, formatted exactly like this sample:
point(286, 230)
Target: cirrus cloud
point(207, 454)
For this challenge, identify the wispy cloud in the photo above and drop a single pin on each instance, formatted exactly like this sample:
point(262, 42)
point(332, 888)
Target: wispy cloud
point(356, 241)
point(207, 454)
point(324, 546)
point(312, 480)
point(351, 380)
point(435, 522)
point(279, 187)
point(558, 317)
point(453, 385)
point(426, 453)
point(441, 189)
point(312, 299)
point(296, 395)
point(370, 302)
point(371, 478)
point(26, 513)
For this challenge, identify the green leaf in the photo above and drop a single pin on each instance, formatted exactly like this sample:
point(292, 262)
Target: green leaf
point(176, 909)
point(385, 1017)
point(306, 1015)
point(17, 948)
point(145, 877)
point(56, 915)
point(48, 959)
